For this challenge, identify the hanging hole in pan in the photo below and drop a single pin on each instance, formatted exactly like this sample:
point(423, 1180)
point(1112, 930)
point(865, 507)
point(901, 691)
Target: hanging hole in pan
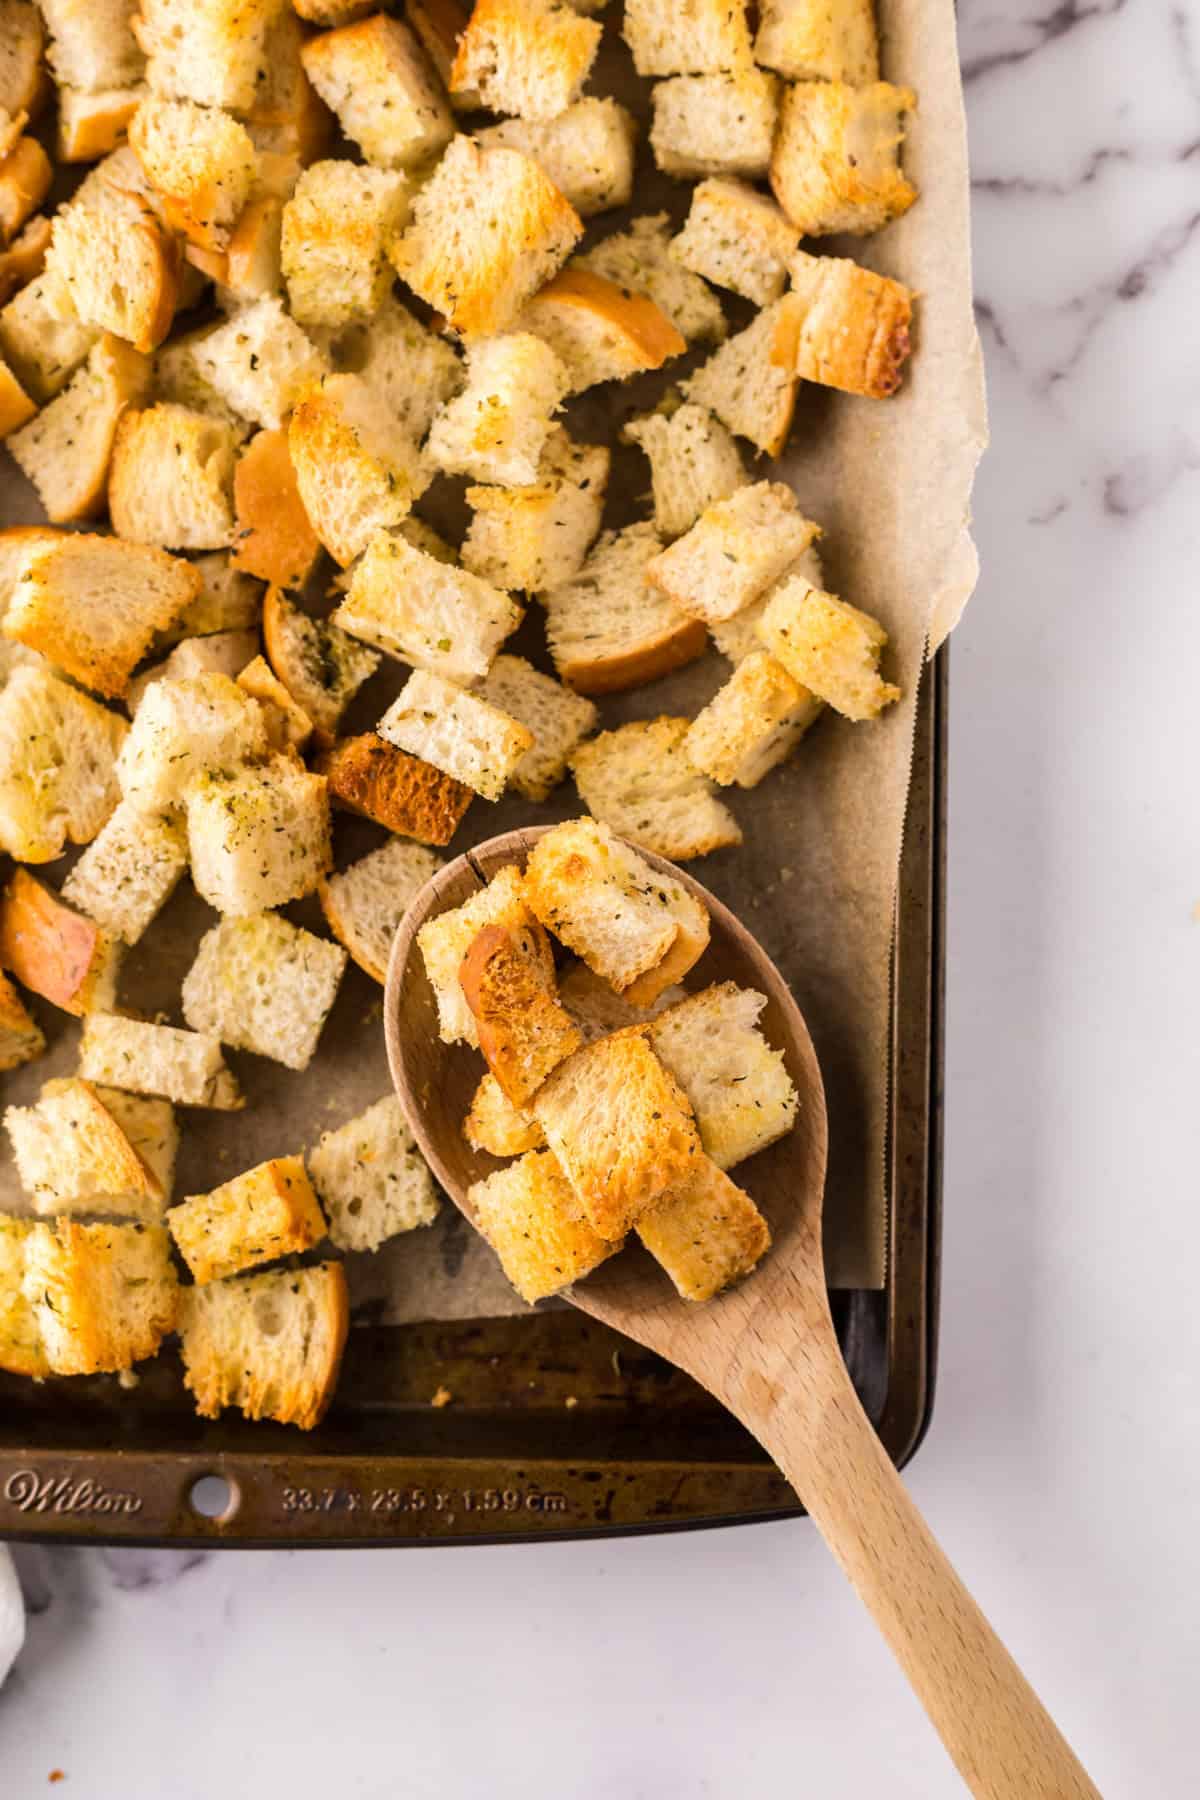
point(213, 1497)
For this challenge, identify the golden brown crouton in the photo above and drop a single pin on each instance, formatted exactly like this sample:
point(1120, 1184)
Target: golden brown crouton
point(107, 1295)
point(524, 1033)
point(374, 778)
point(266, 1212)
point(853, 325)
point(272, 537)
point(706, 1233)
point(21, 1038)
point(54, 951)
point(269, 1344)
point(534, 1222)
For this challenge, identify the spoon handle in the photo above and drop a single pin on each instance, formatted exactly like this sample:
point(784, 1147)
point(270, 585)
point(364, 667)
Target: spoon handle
point(1002, 1740)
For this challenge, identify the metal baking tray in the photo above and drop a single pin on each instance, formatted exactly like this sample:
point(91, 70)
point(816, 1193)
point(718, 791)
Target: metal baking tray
point(557, 1426)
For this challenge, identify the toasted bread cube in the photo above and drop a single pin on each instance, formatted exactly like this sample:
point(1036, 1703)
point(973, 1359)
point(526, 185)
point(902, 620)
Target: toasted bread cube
point(737, 238)
point(700, 39)
point(54, 951)
point(853, 331)
point(265, 985)
point(535, 1223)
point(171, 479)
point(210, 51)
point(558, 719)
point(67, 448)
point(413, 370)
point(72, 1155)
point(715, 124)
point(252, 266)
point(738, 638)
point(332, 12)
point(835, 164)
point(529, 57)
point(22, 75)
point(418, 609)
point(24, 259)
point(358, 470)
point(809, 40)
point(152, 1129)
point(598, 1009)
point(457, 732)
point(738, 1086)
point(489, 229)
point(90, 125)
point(105, 1295)
point(128, 873)
point(828, 646)
point(608, 629)
point(288, 119)
point(639, 781)
point(258, 837)
point(751, 724)
point(288, 725)
point(637, 929)
point(381, 85)
point(178, 377)
point(600, 332)
point(694, 462)
point(119, 263)
point(16, 408)
point(321, 666)
point(733, 552)
point(496, 429)
point(202, 163)
point(750, 381)
point(58, 752)
point(621, 1128)
point(496, 1126)
point(364, 905)
point(372, 1179)
point(43, 337)
point(22, 1349)
point(24, 183)
point(445, 939)
point(394, 789)
point(439, 24)
point(260, 362)
point(91, 43)
point(707, 1233)
point(21, 1037)
point(587, 151)
point(528, 537)
point(272, 535)
point(270, 1344)
point(337, 228)
point(19, 545)
point(640, 261)
point(183, 730)
point(268, 1212)
point(523, 1031)
point(227, 601)
point(219, 652)
point(183, 1066)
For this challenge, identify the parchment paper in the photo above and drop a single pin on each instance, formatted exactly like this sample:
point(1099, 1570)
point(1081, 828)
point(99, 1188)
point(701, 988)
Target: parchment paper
point(816, 877)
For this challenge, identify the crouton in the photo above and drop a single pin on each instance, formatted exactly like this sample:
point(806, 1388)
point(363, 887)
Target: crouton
point(425, 613)
point(106, 1295)
point(398, 791)
point(210, 51)
point(371, 1178)
point(703, 38)
point(620, 1127)
point(641, 260)
point(264, 985)
point(637, 929)
point(607, 627)
point(738, 1086)
point(90, 125)
point(67, 448)
point(413, 370)
point(733, 552)
point(809, 40)
point(828, 646)
point(598, 1009)
point(227, 601)
point(128, 872)
point(600, 331)
point(257, 836)
point(738, 238)
point(529, 57)
point(25, 258)
point(202, 163)
point(43, 337)
point(19, 546)
point(72, 1155)
point(120, 266)
point(751, 724)
point(272, 536)
point(364, 905)
point(715, 124)
point(179, 378)
point(489, 229)
point(750, 381)
point(853, 325)
point(321, 666)
point(456, 731)
point(496, 1126)
point(528, 537)
point(21, 1037)
point(253, 263)
point(707, 1233)
point(523, 1031)
point(92, 45)
point(381, 85)
point(533, 1220)
point(58, 752)
point(558, 719)
point(694, 462)
point(24, 183)
point(288, 725)
point(738, 638)
point(170, 481)
point(22, 1351)
point(268, 1212)
point(22, 75)
point(183, 730)
point(835, 164)
point(219, 652)
point(495, 430)
point(260, 362)
point(357, 469)
point(337, 228)
point(445, 939)
point(332, 12)
point(288, 118)
point(638, 780)
point(270, 1345)
point(16, 408)
point(54, 951)
point(587, 151)
point(183, 1066)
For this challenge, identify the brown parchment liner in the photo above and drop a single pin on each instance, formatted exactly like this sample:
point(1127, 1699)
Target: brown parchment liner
point(890, 483)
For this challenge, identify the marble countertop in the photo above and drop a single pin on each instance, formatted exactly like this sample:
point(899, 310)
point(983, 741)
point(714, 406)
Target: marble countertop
point(1063, 1468)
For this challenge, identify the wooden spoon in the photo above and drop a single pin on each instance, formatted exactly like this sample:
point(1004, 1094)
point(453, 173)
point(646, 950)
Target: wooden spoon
point(767, 1350)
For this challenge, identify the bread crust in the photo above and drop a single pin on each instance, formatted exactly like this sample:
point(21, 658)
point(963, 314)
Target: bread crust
point(524, 1033)
point(371, 777)
point(683, 643)
point(273, 539)
point(21, 1038)
point(648, 334)
point(51, 949)
point(25, 175)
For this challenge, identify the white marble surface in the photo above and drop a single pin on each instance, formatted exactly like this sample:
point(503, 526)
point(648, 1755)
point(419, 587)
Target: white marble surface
point(1063, 1469)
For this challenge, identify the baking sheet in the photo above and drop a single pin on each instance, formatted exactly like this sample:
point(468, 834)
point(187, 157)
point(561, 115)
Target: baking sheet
point(816, 877)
